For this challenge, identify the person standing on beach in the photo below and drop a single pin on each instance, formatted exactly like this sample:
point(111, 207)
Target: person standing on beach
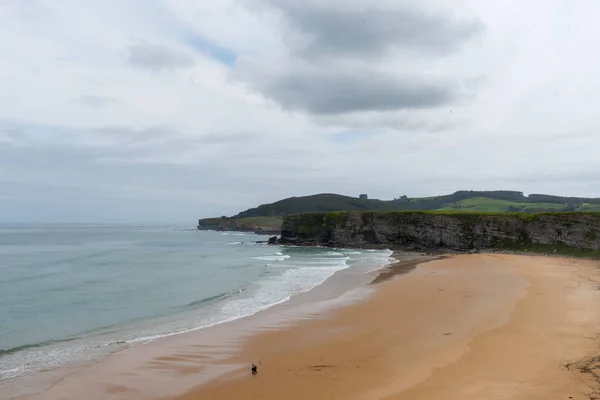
point(254, 369)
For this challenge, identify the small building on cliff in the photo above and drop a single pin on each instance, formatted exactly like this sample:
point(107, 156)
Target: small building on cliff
point(363, 196)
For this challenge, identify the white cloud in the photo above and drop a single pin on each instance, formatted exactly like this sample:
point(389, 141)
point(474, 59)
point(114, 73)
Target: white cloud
point(162, 109)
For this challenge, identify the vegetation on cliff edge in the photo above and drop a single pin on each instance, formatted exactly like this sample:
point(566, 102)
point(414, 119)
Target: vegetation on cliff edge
point(254, 224)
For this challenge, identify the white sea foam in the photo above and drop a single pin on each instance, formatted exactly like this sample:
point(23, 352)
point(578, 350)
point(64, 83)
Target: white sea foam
point(297, 279)
point(327, 260)
point(272, 258)
point(9, 372)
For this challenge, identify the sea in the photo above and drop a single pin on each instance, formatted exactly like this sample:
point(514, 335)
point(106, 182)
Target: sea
point(75, 293)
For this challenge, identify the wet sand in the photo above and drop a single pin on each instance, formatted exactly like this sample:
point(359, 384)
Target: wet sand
point(464, 327)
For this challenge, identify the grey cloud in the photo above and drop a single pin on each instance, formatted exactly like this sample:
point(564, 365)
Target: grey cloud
point(95, 100)
point(392, 121)
point(342, 30)
point(322, 91)
point(335, 65)
point(157, 57)
point(9, 134)
point(225, 138)
point(158, 135)
point(121, 143)
point(126, 133)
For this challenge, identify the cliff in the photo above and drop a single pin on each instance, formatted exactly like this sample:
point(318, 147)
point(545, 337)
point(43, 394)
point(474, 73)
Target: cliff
point(565, 233)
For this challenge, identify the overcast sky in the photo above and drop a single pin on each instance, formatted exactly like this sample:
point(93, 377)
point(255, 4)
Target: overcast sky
point(150, 110)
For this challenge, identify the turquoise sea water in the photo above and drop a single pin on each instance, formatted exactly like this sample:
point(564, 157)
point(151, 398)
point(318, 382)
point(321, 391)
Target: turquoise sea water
point(70, 293)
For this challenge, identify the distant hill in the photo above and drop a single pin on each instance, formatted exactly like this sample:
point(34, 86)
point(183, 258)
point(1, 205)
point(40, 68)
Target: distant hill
point(259, 225)
point(464, 200)
point(315, 203)
point(461, 201)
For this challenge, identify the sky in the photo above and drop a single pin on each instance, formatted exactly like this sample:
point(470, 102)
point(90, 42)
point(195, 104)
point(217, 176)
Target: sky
point(172, 110)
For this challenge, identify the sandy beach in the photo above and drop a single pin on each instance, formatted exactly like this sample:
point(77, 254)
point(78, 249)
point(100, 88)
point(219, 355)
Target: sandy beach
point(465, 327)
point(460, 327)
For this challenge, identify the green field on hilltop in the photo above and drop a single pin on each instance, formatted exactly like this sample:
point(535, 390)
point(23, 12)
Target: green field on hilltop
point(485, 204)
point(266, 223)
point(589, 207)
point(255, 224)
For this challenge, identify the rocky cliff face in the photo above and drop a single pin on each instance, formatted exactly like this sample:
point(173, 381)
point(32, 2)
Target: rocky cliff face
point(568, 233)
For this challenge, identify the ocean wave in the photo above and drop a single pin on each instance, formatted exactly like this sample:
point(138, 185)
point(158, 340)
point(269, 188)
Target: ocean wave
point(326, 261)
point(215, 298)
point(274, 290)
point(272, 258)
point(235, 243)
point(151, 338)
point(16, 349)
point(208, 299)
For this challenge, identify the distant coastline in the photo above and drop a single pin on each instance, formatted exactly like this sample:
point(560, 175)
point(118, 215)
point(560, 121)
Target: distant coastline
point(267, 219)
point(257, 225)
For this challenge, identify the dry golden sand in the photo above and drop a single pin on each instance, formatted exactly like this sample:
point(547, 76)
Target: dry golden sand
point(465, 327)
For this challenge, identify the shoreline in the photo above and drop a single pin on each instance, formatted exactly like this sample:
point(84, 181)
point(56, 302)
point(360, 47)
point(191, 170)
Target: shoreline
point(332, 293)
